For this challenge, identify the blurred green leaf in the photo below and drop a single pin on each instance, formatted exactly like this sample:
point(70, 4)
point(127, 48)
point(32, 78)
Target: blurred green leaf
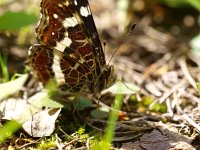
point(175, 3)
point(16, 20)
point(185, 3)
point(5, 2)
point(146, 101)
point(100, 113)
point(198, 86)
point(47, 101)
point(8, 130)
point(195, 44)
point(159, 108)
point(195, 4)
point(12, 87)
point(81, 103)
point(164, 120)
point(133, 99)
point(123, 88)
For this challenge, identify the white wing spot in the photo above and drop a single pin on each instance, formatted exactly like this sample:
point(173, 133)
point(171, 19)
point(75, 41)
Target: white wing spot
point(60, 5)
point(66, 34)
point(66, 3)
point(85, 11)
point(30, 51)
point(55, 16)
point(60, 46)
point(70, 22)
point(59, 76)
point(75, 2)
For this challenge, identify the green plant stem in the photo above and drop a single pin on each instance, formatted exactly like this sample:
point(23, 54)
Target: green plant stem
point(112, 119)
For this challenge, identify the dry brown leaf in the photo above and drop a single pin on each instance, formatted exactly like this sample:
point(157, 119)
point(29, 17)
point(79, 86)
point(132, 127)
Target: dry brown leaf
point(156, 140)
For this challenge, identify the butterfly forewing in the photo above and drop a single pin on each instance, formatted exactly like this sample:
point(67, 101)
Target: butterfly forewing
point(86, 16)
point(70, 50)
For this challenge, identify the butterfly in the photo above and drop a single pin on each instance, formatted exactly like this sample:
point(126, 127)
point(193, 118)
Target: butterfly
point(69, 50)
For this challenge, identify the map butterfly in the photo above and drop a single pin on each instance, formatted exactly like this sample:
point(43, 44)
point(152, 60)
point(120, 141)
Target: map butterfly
point(69, 49)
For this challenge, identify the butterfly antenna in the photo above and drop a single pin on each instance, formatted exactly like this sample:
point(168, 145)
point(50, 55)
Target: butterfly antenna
point(104, 47)
point(122, 43)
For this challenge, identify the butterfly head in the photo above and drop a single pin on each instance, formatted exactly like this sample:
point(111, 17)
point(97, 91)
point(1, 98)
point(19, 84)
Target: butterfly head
point(106, 79)
point(111, 77)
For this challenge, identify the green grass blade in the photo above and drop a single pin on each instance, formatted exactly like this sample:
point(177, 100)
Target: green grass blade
point(109, 134)
point(4, 68)
point(112, 119)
